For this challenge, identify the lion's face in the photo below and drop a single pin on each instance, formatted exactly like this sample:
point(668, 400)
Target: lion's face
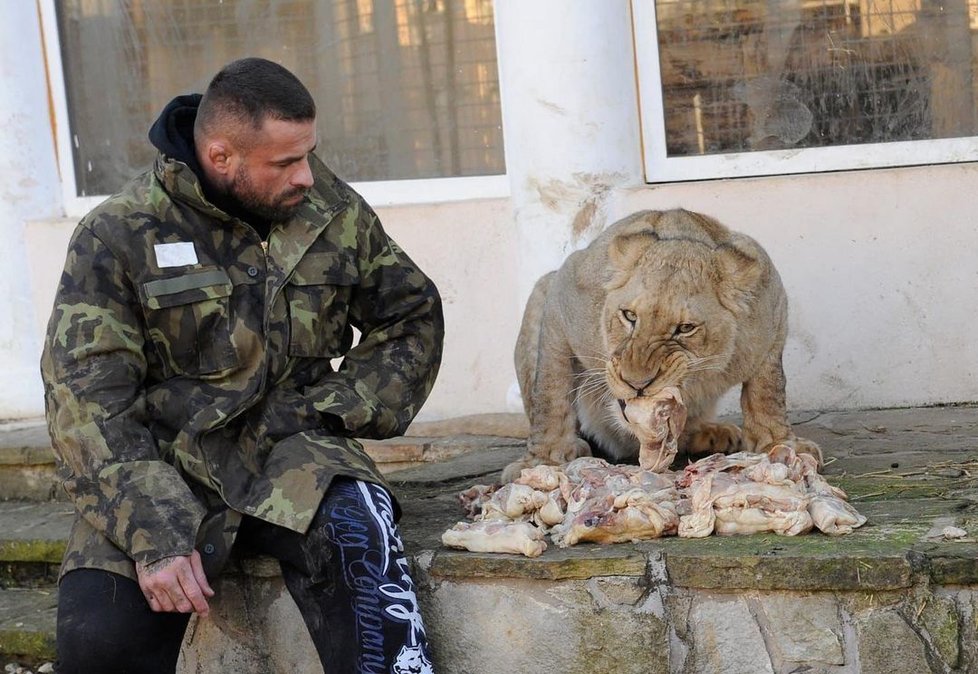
point(664, 326)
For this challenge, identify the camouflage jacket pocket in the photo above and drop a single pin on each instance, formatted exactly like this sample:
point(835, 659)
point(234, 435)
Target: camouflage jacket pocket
point(319, 294)
point(189, 323)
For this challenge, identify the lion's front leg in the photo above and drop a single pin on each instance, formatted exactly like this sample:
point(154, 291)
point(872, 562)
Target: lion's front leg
point(762, 401)
point(710, 437)
point(556, 452)
point(553, 437)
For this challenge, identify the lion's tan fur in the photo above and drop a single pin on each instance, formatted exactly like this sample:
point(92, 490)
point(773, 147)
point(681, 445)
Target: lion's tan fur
point(709, 313)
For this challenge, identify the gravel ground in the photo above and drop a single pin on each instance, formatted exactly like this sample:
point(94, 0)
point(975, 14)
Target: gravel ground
point(15, 668)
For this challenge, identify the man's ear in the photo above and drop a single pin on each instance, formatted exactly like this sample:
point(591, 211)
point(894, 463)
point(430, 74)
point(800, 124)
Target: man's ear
point(218, 155)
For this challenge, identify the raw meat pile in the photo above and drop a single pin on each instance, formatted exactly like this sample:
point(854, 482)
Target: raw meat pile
point(589, 499)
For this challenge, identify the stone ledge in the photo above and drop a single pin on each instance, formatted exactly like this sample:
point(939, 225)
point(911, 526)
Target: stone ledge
point(27, 622)
point(557, 565)
point(839, 572)
point(404, 453)
point(27, 468)
point(34, 532)
point(766, 567)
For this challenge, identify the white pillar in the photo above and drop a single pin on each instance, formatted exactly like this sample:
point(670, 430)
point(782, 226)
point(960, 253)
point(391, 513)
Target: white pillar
point(28, 190)
point(570, 122)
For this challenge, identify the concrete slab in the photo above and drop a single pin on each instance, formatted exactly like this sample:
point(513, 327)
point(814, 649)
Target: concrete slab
point(27, 618)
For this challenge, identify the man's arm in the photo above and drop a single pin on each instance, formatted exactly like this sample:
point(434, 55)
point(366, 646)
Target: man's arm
point(383, 381)
point(93, 368)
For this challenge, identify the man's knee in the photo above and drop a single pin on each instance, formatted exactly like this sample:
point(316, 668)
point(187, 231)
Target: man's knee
point(105, 625)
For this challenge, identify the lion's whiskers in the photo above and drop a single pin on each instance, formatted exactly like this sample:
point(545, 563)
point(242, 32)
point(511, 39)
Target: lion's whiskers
point(600, 359)
point(588, 387)
point(706, 364)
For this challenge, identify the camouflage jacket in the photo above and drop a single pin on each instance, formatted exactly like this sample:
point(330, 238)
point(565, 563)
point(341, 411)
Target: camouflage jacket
point(189, 369)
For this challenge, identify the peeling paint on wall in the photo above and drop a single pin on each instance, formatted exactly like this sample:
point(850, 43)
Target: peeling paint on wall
point(584, 199)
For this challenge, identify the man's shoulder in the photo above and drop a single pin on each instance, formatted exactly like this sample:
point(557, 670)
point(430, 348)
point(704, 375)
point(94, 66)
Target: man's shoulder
point(331, 188)
point(141, 197)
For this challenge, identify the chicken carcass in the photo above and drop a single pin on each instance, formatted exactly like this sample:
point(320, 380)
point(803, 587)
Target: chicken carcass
point(473, 498)
point(779, 491)
point(828, 507)
point(512, 501)
point(633, 515)
point(496, 536)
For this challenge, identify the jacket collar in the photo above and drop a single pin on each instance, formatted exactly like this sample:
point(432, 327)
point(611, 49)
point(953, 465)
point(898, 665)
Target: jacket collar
point(327, 199)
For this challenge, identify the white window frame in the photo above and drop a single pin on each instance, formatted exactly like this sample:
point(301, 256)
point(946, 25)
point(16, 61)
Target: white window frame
point(379, 193)
point(659, 167)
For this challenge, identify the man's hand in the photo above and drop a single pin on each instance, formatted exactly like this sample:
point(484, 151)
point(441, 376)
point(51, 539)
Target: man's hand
point(175, 584)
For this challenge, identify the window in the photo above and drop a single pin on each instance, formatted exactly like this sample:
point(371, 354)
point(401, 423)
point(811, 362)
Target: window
point(405, 90)
point(748, 87)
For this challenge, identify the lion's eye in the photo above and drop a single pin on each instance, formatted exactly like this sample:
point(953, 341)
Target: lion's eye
point(629, 315)
point(685, 328)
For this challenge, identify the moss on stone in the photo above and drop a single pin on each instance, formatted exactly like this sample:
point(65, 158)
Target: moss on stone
point(620, 642)
point(36, 550)
point(32, 645)
point(789, 572)
point(955, 566)
point(939, 616)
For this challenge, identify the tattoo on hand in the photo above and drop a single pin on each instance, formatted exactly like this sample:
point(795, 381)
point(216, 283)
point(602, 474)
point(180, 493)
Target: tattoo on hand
point(154, 567)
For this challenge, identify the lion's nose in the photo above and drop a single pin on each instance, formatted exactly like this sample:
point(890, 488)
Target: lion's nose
point(639, 386)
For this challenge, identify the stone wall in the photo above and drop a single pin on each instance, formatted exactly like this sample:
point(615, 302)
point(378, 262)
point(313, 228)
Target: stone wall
point(635, 621)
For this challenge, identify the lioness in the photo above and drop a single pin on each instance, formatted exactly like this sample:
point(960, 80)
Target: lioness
point(660, 298)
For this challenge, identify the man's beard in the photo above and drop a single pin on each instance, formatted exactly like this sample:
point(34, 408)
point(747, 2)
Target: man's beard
point(242, 190)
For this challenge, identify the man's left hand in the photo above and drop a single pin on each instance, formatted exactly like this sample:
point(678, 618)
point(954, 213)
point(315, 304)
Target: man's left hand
point(175, 584)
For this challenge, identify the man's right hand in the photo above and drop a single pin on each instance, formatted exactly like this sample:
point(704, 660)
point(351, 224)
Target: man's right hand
point(175, 584)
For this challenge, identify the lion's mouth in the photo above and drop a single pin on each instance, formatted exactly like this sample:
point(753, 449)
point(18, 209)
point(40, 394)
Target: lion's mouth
point(622, 404)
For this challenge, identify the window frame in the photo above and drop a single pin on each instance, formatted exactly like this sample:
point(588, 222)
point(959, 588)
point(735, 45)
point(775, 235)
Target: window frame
point(659, 167)
point(378, 193)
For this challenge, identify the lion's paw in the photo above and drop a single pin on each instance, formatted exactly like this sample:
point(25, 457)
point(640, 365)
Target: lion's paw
point(568, 451)
point(710, 438)
point(799, 445)
point(563, 453)
point(804, 446)
point(513, 470)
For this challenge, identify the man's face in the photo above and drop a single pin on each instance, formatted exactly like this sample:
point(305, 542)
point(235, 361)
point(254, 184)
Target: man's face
point(272, 176)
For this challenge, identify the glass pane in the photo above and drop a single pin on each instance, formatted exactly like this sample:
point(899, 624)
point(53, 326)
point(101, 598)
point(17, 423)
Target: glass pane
point(742, 75)
point(404, 89)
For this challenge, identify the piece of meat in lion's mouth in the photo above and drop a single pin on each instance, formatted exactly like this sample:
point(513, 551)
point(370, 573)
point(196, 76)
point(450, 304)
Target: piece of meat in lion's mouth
point(657, 421)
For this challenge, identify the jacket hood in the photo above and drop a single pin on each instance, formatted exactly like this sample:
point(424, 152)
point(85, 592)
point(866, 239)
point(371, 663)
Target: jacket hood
point(173, 135)
point(173, 131)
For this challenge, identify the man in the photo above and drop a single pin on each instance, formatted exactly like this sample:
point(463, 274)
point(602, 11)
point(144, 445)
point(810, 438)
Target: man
point(191, 398)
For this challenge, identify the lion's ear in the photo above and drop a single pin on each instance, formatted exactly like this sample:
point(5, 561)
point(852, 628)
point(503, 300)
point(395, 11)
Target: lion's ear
point(625, 249)
point(739, 277)
point(634, 235)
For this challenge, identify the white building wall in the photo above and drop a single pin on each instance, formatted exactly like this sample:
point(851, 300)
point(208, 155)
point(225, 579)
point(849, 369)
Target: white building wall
point(570, 122)
point(879, 265)
point(28, 189)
